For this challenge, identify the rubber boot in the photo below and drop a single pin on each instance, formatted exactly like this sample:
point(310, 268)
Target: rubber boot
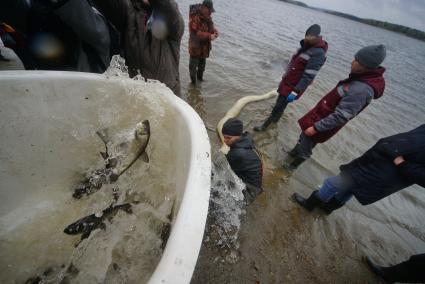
point(250, 193)
point(296, 162)
point(332, 205)
point(265, 124)
point(200, 75)
point(293, 153)
point(193, 77)
point(308, 203)
point(378, 270)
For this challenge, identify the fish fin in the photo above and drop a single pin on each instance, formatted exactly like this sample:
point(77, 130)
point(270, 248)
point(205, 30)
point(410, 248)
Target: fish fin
point(145, 157)
point(103, 135)
point(85, 235)
point(104, 155)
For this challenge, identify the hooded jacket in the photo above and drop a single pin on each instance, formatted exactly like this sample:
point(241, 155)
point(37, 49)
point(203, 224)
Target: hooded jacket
point(303, 68)
point(245, 161)
point(200, 29)
point(350, 97)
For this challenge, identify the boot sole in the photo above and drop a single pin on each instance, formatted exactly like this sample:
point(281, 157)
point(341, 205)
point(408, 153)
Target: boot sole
point(294, 199)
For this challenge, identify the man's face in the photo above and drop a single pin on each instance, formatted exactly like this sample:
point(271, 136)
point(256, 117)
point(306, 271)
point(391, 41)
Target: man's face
point(311, 40)
point(205, 11)
point(230, 140)
point(356, 67)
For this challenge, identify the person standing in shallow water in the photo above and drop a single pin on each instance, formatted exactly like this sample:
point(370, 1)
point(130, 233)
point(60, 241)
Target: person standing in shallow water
point(350, 97)
point(201, 33)
point(300, 73)
point(392, 164)
point(243, 158)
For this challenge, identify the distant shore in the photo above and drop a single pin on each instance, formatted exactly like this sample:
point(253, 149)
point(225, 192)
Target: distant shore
point(410, 32)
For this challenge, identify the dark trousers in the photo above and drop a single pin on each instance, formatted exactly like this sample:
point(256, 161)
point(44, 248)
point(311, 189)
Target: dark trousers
point(409, 271)
point(196, 67)
point(279, 108)
point(304, 147)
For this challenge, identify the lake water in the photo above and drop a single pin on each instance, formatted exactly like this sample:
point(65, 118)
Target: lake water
point(280, 242)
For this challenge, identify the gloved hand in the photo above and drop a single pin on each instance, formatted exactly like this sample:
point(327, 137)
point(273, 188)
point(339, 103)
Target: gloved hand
point(291, 97)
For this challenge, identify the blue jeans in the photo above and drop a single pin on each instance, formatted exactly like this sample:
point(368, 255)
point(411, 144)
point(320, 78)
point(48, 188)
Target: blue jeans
point(336, 186)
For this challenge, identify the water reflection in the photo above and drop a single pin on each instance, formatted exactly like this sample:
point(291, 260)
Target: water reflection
point(194, 99)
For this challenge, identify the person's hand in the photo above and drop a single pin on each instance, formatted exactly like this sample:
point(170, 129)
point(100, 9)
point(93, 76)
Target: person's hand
point(397, 161)
point(310, 131)
point(146, 2)
point(291, 97)
point(213, 36)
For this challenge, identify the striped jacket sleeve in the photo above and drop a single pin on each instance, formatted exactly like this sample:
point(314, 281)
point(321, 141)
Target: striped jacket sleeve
point(356, 96)
point(316, 58)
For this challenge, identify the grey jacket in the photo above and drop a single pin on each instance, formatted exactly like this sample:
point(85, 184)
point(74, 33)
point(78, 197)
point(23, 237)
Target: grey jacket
point(354, 98)
point(154, 58)
point(317, 58)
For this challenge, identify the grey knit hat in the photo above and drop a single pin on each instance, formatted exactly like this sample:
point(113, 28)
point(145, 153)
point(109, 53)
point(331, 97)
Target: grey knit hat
point(233, 127)
point(313, 30)
point(371, 56)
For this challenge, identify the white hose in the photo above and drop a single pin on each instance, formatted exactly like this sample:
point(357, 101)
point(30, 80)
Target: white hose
point(234, 112)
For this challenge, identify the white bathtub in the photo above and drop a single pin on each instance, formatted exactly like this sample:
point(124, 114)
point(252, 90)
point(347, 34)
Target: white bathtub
point(47, 128)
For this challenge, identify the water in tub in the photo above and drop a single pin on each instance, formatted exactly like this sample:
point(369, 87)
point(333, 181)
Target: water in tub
point(124, 249)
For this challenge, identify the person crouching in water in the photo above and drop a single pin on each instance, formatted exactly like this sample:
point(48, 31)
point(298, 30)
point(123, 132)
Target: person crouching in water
point(300, 73)
point(243, 158)
point(350, 97)
point(201, 33)
point(392, 164)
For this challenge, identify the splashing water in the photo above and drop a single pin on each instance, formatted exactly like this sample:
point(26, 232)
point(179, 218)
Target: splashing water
point(129, 248)
point(117, 68)
point(226, 208)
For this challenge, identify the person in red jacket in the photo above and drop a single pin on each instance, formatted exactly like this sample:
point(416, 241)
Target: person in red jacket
point(201, 33)
point(343, 103)
point(300, 73)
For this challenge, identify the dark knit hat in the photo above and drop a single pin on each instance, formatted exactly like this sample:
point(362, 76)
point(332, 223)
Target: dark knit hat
point(371, 56)
point(209, 4)
point(314, 30)
point(233, 127)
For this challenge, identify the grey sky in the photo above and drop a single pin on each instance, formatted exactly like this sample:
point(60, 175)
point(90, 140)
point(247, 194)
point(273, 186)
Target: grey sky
point(409, 13)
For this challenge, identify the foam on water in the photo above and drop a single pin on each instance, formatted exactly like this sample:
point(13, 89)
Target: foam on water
point(226, 208)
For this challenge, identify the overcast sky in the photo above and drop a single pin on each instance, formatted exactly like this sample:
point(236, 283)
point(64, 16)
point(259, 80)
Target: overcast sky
point(409, 13)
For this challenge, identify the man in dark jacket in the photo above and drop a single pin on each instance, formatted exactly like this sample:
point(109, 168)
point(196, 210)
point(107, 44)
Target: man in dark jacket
point(201, 33)
point(392, 164)
point(151, 32)
point(409, 271)
point(350, 97)
point(300, 73)
point(243, 157)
